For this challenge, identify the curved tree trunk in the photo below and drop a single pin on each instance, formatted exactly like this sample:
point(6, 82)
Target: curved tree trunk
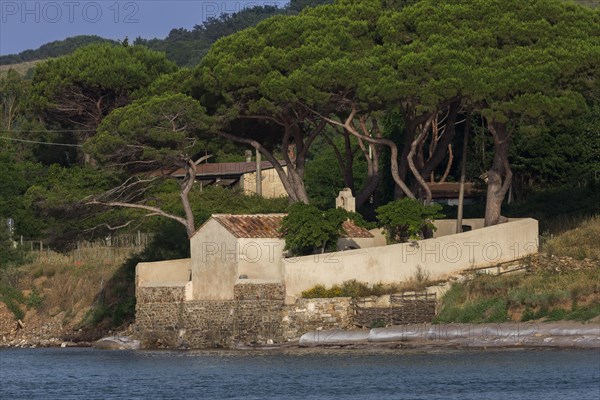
point(499, 175)
point(373, 175)
point(411, 162)
point(349, 125)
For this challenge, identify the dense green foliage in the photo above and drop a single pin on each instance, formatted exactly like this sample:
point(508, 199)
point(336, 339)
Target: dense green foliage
point(301, 70)
point(351, 288)
point(306, 229)
point(77, 91)
point(407, 219)
point(187, 47)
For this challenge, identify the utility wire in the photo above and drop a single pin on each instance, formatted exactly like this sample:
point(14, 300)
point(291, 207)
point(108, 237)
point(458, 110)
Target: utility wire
point(37, 142)
point(49, 130)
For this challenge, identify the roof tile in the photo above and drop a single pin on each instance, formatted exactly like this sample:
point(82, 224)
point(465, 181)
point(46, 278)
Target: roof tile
point(267, 226)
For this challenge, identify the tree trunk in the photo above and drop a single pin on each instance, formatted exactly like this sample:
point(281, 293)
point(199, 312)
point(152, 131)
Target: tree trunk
point(373, 176)
point(499, 175)
point(463, 173)
point(416, 173)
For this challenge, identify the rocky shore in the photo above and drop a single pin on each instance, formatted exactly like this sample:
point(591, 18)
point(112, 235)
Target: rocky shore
point(41, 331)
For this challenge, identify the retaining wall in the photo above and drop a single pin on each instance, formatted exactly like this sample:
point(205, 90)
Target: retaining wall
point(439, 257)
point(165, 319)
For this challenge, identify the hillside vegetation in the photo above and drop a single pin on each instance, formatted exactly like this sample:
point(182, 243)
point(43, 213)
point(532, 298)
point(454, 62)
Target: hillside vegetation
point(53, 49)
point(562, 282)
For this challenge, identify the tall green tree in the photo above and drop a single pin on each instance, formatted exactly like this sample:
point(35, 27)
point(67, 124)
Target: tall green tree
point(77, 91)
point(516, 63)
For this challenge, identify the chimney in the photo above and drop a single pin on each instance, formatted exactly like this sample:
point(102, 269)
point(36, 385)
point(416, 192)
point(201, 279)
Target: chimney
point(248, 154)
point(345, 200)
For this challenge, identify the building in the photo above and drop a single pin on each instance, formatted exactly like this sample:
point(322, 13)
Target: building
point(231, 249)
point(238, 285)
point(447, 192)
point(240, 175)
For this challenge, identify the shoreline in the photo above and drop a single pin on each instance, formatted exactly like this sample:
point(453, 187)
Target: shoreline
point(426, 337)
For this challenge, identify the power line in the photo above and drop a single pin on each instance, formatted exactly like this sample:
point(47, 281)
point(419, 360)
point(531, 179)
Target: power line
point(37, 142)
point(49, 130)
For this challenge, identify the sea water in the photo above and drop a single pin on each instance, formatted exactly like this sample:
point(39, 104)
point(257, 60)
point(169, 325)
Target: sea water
point(76, 373)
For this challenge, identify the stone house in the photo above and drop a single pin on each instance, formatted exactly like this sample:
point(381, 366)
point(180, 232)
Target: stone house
point(242, 175)
point(232, 249)
point(239, 286)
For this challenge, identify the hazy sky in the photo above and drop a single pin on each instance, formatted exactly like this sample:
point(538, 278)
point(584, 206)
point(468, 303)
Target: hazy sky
point(27, 24)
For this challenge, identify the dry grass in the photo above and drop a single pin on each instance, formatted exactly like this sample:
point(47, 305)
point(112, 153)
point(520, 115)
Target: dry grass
point(21, 68)
point(55, 283)
point(579, 243)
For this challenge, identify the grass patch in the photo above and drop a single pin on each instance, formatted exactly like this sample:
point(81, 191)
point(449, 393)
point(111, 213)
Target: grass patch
point(352, 288)
point(563, 284)
point(579, 243)
point(568, 295)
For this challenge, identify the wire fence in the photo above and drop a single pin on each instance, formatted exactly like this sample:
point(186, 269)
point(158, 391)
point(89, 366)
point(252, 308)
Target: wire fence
point(109, 249)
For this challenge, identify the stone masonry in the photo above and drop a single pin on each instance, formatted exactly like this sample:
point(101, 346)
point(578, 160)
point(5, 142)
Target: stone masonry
point(258, 316)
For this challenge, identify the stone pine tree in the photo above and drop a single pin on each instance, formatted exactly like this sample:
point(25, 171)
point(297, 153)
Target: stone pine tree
point(76, 91)
point(516, 64)
point(145, 142)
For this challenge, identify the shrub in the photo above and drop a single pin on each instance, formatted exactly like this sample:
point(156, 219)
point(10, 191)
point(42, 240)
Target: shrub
point(355, 289)
point(306, 228)
point(35, 299)
point(407, 219)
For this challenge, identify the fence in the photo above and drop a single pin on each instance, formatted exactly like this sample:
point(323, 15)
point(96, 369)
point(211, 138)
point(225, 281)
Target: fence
point(106, 250)
point(404, 308)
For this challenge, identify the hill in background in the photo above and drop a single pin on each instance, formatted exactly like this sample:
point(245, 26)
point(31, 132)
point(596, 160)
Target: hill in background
point(184, 47)
point(53, 49)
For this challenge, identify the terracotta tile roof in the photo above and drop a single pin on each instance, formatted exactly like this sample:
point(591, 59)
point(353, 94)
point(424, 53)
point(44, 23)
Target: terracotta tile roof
point(267, 226)
point(354, 231)
point(221, 169)
point(252, 226)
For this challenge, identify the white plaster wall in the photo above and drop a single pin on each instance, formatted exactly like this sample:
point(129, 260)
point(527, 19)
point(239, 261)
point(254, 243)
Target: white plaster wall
point(359, 243)
point(448, 226)
point(379, 237)
point(149, 273)
point(214, 262)
point(260, 258)
point(439, 257)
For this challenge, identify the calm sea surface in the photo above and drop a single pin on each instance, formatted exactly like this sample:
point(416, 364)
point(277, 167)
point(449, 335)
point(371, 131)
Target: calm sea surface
point(298, 374)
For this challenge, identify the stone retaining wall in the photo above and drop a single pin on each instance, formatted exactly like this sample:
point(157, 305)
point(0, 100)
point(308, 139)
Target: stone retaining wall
point(160, 294)
point(208, 324)
point(163, 319)
point(316, 314)
point(259, 291)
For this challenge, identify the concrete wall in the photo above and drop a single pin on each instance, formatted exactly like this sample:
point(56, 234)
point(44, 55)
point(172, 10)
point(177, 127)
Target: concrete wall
point(271, 184)
point(163, 271)
point(439, 257)
point(356, 243)
point(447, 227)
point(214, 262)
point(260, 258)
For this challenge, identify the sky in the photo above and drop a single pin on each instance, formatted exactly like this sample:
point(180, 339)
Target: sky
point(28, 24)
